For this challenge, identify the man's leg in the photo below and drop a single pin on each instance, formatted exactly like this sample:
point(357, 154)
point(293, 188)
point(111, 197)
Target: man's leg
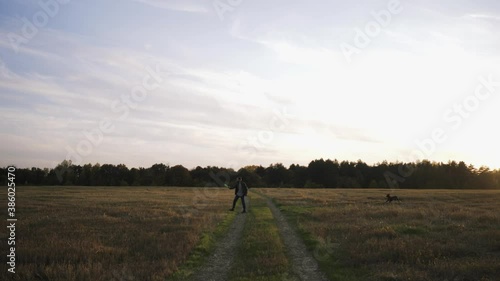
point(234, 202)
point(243, 202)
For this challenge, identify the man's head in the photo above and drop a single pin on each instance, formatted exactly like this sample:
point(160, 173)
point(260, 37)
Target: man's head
point(239, 179)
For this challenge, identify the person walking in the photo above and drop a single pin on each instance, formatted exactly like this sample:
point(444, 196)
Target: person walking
point(241, 190)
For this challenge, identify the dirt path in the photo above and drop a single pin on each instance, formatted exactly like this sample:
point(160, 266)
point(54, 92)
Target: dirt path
point(219, 263)
point(303, 263)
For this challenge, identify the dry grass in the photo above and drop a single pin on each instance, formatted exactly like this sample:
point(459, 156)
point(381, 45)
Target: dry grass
point(111, 233)
point(261, 256)
point(108, 233)
point(431, 235)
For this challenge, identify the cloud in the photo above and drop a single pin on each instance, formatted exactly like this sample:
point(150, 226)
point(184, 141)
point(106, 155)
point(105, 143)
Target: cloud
point(23, 50)
point(195, 107)
point(188, 6)
point(5, 72)
point(291, 53)
point(224, 81)
point(483, 17)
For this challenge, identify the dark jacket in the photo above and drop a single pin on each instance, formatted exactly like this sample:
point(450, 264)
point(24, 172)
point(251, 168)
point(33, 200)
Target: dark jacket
point(243, 186)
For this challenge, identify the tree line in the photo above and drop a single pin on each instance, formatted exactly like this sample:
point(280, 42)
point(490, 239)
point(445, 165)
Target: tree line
point(318, 174)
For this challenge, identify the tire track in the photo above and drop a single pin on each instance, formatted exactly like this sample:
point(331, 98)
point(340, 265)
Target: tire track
point(303, 263)
point(217, 267)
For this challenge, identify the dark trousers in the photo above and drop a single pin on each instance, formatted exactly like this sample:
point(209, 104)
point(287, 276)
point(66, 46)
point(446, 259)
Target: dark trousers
point(242, 201)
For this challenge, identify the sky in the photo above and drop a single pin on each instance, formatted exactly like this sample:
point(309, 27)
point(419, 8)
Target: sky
point(237, 82)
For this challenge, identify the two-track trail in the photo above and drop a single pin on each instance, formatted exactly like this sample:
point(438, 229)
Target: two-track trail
point(303, 262)
point(219, 264)
point(217, 267)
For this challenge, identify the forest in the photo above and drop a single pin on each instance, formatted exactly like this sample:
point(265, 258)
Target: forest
point(317, 174)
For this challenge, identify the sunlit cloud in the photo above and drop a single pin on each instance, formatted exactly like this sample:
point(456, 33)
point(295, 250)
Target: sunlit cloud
point(484, 17)
point(227, 83)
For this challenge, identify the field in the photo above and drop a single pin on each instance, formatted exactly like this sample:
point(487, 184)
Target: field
point(430, 235)
point(156, 233)
point(103, 233)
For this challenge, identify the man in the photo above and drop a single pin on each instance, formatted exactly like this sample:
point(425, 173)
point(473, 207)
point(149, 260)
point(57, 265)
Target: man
point(241, 190)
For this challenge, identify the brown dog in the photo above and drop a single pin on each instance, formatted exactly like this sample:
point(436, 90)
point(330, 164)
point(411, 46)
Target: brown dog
point(391, 198)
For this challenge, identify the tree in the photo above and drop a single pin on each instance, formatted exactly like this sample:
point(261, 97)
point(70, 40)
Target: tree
point(276, 175)
point(144, 177)
point(299, 175)
point(179, 176)
point(108, 175)
point(95, 176)
point(250, 177)
point(159, 174)
point(201, 176)
point(324, 173)
point(64, 173)
point(124, 175)
point(319, 173)
point(37, 176)
point(86, 175)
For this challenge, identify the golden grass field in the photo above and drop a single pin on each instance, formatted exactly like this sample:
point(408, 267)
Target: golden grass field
point(430, 235)
point(109, 233)
point(148, 233)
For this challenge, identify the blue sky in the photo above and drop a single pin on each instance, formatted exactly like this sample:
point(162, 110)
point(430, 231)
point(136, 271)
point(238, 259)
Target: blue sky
point(233, 83)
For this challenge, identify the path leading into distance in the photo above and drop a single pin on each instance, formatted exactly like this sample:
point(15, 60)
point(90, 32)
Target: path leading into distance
point(303, 263)
point(219, 263)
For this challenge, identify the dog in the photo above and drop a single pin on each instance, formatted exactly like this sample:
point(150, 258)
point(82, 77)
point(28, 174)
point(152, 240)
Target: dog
point(391, 198)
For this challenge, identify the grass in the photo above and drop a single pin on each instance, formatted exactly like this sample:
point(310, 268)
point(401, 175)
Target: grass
point(201, 252)
point(431, 235)
point(111, 233)
point(261, 255)
point(155, 233)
